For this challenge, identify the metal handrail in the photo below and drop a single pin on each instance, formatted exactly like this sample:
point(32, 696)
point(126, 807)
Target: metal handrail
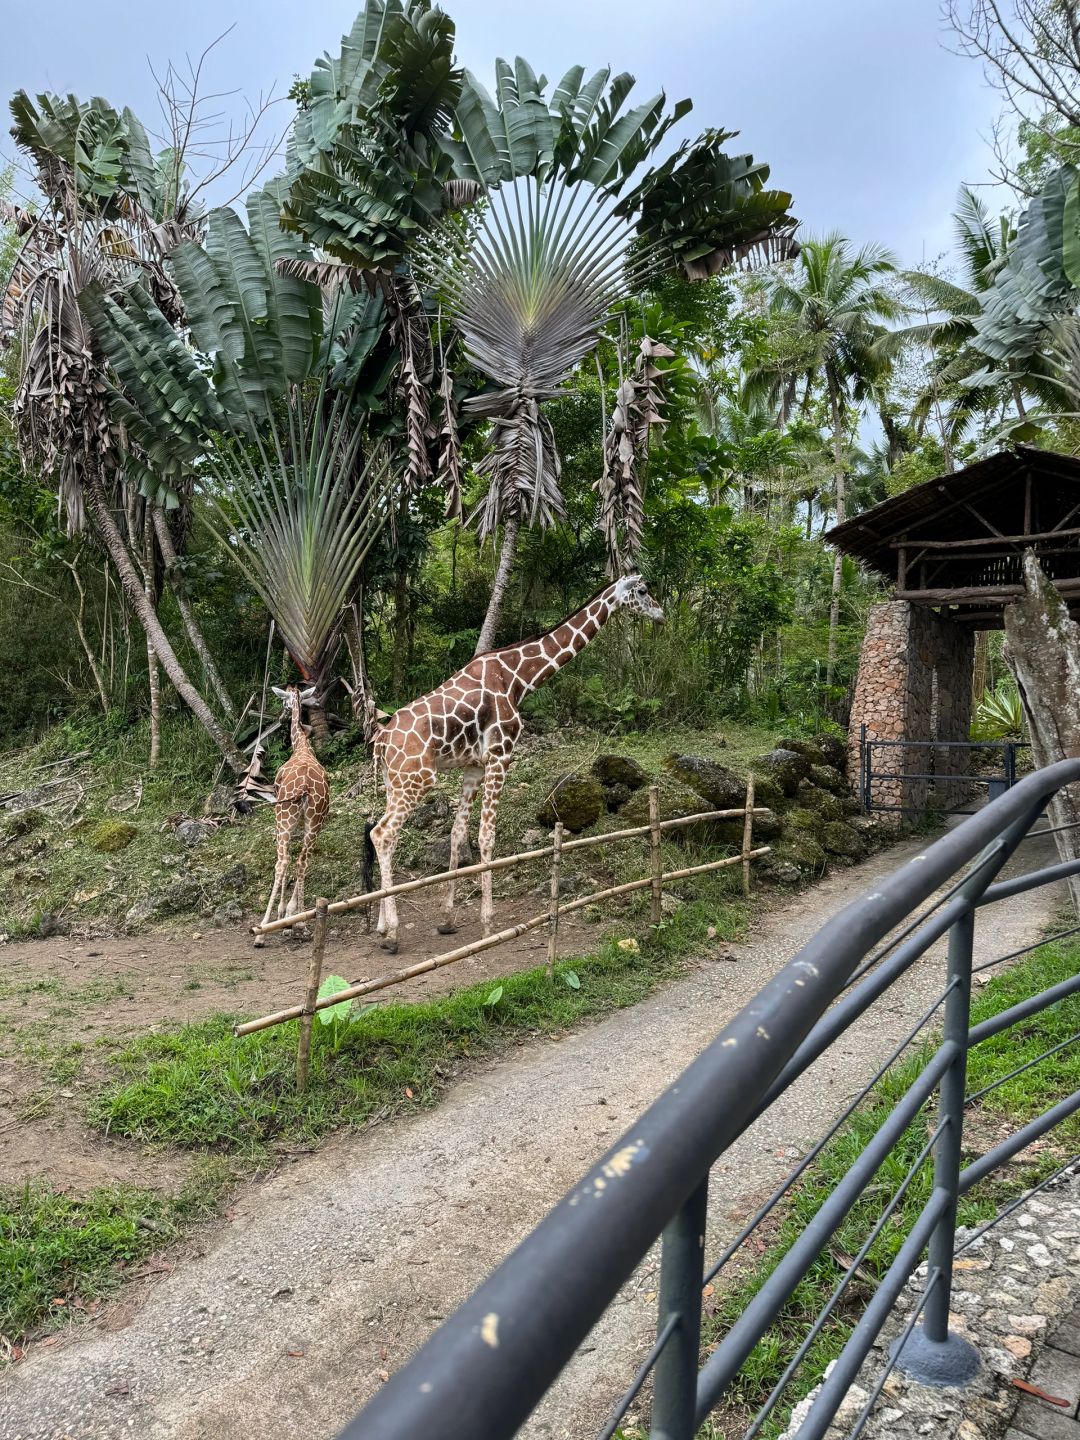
point(484, 1371)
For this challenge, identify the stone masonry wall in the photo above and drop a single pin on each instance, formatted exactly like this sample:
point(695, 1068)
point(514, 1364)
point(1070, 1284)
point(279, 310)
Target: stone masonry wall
point(914, 683)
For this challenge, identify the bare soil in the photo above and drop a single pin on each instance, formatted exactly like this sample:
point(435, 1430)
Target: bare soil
point(98, 993)
point(327, 1276)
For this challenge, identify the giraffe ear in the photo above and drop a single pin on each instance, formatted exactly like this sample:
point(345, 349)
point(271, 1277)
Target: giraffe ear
point(281, 694)
point(308, 695)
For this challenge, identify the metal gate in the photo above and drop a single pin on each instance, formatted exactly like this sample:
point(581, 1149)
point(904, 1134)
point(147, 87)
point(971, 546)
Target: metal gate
point(938, 771)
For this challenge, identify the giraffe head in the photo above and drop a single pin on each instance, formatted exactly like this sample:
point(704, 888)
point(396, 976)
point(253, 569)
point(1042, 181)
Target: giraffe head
point(293, 698)
point(631, 593)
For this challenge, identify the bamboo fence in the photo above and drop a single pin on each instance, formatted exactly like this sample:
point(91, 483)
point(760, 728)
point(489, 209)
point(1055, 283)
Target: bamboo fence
point(655, 881)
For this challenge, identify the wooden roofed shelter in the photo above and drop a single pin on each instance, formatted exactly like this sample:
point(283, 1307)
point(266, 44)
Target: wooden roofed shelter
point(955, 543)
point(953, 549)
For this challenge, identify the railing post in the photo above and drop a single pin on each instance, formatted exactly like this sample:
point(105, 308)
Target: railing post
point(553, 916)
point(1010, 764)
point(656, 905)
point(931, 1355)
point(682, 1268)
point(318, 949)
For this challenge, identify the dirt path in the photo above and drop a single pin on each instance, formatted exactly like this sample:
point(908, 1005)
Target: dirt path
point(333, 1272)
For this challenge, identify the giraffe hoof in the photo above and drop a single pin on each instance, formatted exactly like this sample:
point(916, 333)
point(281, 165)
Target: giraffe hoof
point(259, 942)
point(390, 946)
point(447, 928)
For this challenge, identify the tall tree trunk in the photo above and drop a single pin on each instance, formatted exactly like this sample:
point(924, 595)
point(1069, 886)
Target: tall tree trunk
point(401, 613)
point(147, 617)
point(79, 615)
point(980, 670)
point(153, 675)
point(486, 640)
point(187, 615)
point(1043, 649)
point(839, 478)
point(361, 696)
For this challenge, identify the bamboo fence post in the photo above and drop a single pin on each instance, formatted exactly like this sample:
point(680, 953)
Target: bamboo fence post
point(747, 834)
point(318, 946)
point(657, 907)
point(553, 919)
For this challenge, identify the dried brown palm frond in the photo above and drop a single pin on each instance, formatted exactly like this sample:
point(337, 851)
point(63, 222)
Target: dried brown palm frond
point(449, 472)
point(638, 410)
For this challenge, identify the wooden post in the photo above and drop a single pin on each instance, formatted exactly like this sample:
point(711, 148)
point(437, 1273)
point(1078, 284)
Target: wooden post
point(553, 919)
point(657, 908)
point(747, 834)
point(318, 946)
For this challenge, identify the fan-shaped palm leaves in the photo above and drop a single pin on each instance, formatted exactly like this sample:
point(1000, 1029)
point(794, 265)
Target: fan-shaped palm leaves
point(267, 434)
point(531, 284)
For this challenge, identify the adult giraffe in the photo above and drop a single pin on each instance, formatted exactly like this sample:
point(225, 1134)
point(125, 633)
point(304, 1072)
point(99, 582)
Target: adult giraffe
point(472, 723)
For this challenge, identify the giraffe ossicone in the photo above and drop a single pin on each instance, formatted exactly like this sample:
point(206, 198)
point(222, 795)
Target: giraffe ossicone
point(472, 722)
point(301, 792)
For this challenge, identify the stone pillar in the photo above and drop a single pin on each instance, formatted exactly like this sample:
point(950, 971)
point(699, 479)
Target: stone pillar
point(911, 658)
point(954, 659)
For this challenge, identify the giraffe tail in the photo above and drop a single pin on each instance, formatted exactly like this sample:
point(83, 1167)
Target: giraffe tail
point(367, 872)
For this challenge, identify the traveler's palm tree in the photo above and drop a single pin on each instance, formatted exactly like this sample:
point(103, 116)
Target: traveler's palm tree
point(571, 221)
point(834, 301)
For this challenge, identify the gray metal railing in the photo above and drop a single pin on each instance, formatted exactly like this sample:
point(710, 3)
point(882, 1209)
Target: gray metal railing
point(484, 1371)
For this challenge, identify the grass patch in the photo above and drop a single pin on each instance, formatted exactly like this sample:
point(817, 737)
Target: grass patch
point(199, 1087)
point(1019, 1100)
point(51, 866)
point(60, 1254)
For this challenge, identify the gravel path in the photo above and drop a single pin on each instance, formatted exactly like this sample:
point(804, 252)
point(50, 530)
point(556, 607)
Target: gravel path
point(331, 1273)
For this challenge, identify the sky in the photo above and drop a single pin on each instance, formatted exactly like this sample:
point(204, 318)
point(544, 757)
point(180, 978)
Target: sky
point(859, 107)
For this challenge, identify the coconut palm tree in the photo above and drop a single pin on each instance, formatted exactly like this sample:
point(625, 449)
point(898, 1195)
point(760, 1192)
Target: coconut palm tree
point(834, 300)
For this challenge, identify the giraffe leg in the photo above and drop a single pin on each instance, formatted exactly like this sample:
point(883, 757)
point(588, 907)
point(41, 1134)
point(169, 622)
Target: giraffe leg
point(296, 899)
point(283, 827)
point(469, 787)
point(494, 778)
point(410, 790)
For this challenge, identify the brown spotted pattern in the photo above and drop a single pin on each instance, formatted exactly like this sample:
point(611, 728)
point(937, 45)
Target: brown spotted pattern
point(302, 792)
point(472, 723)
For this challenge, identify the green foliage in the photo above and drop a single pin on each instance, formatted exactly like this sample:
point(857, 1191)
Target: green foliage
point(1017, 1101)
point(199, 1087)
point(999, 716)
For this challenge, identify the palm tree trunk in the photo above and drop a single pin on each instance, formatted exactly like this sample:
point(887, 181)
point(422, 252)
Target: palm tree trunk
point(153, 675)
point(841, 514)
point(486, 640)
point(148, 619)
point(361, 698)
point(187, 615)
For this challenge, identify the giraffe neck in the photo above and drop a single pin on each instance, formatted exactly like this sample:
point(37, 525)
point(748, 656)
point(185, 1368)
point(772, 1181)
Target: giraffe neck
point(297, 738)
point(558, 647)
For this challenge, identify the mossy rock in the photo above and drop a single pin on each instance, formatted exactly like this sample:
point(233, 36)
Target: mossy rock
point(801, 850)
point(108, 836)
point(827, 778)
point(616, 796)
point(841, 839)
point(784, 768)
point(619, 770)
point(767, 791)
point(804, 819)
point(827, 805)
point(834, 750)
point(810, 750)
point(676, 802)
point(721, 787)
point(577, 800)
point(23, 822)
point(767, 824)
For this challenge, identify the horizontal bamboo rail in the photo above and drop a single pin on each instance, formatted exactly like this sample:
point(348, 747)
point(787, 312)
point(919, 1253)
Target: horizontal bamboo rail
point(466, 872)
point(436, 962)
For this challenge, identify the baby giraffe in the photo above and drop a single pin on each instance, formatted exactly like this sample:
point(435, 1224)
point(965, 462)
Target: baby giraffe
point(301, 789)
point(471, 723)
